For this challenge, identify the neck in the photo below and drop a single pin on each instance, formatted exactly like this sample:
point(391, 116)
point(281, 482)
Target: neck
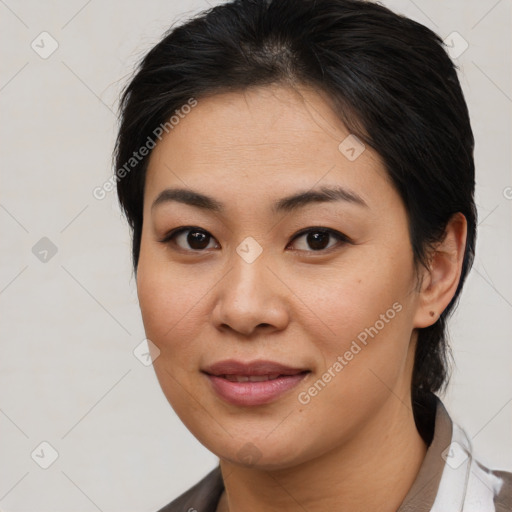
point(372, 471)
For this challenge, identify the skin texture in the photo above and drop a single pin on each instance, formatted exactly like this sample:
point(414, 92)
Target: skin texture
point(354, 445)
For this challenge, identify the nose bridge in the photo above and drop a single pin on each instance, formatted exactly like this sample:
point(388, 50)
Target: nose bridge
point(247, 284)
point(249, 297)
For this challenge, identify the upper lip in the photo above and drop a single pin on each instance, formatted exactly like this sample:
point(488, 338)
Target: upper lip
point(256, 368)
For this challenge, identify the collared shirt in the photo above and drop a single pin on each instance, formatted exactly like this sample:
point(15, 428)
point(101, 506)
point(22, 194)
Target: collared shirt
point(449, 479)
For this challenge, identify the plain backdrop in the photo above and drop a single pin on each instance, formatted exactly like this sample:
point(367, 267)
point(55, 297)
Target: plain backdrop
point(70, 319)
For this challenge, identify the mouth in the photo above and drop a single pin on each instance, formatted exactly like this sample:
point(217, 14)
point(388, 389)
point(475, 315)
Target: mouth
point(252, 383)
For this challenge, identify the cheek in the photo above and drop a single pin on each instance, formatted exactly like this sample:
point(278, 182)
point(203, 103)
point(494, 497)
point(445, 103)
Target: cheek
point(171, 305)
point(363, 316)
point(352, 297)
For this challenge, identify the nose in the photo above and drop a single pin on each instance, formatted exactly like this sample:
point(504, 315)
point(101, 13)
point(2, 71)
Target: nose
point(250, 299)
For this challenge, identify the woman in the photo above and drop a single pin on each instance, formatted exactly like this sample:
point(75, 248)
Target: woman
point(299, 179)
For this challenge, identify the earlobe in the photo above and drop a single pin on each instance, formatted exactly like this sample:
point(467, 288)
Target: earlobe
point(441, 279)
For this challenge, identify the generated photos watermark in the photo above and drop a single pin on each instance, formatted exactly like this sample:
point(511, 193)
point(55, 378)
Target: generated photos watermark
point(361, 341)
point(101, 192)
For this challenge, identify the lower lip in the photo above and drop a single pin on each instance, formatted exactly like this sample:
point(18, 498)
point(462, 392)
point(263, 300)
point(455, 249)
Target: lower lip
point(254, 393)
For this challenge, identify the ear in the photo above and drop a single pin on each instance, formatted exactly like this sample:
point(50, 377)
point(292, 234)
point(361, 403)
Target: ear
point(441, 278)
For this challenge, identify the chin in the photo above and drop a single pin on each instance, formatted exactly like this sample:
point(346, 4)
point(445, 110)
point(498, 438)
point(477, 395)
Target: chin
point(259, 453)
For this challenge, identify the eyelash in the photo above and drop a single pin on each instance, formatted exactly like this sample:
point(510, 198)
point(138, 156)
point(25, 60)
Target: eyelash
point(341, 238)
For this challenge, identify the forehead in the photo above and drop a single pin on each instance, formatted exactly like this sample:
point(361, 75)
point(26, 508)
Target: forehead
point(262, 141)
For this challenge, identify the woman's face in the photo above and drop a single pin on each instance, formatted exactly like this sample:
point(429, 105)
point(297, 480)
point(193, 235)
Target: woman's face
point(299, 256)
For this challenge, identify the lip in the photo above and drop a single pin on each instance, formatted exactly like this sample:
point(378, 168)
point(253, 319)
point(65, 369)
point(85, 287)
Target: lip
point(253, 393)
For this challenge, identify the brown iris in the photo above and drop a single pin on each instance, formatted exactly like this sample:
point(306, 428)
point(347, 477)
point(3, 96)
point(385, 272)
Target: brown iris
point(318, 240)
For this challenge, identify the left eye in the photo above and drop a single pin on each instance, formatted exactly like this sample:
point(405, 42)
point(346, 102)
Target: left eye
point(318, 239)
point(190, 238)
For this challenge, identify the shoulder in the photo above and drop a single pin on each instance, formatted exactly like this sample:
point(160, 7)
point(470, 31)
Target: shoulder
point(451, 478)
point(487, 490)
point(467, 484)
point(503, 501)
point(202, 497)
point(484, 480)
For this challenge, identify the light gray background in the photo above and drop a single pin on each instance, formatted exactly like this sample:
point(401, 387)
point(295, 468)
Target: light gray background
point(69, 325)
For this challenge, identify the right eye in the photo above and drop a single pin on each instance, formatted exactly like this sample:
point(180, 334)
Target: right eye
point(191, 239)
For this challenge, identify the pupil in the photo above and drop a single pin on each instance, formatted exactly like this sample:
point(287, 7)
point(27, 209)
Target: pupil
point(197, 240)
point(318, 240)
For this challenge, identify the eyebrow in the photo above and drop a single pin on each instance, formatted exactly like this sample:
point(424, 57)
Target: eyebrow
point(286, 204)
